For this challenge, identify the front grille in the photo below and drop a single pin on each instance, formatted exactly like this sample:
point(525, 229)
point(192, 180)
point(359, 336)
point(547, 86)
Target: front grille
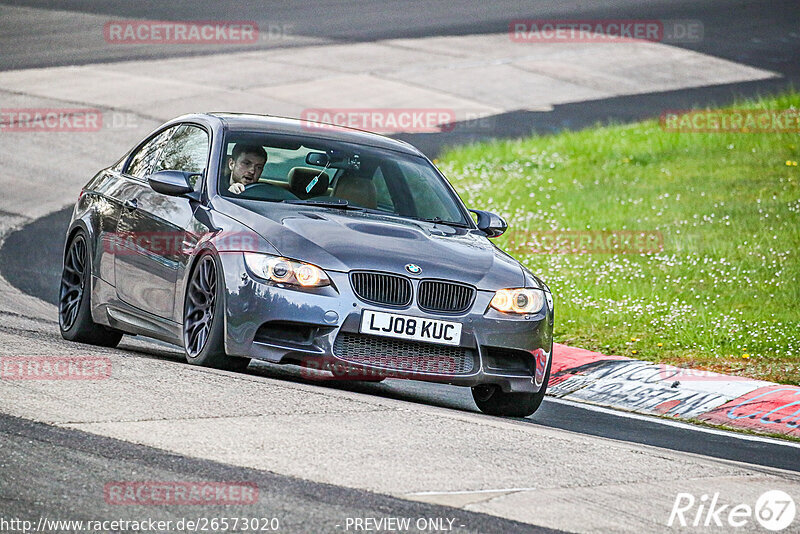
point(444, 296)
point(382, 288)
point(401, 355)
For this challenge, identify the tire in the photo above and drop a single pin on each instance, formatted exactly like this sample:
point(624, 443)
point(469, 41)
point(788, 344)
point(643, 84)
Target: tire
point(203, 328)
point(74, 298)
point(491, 400)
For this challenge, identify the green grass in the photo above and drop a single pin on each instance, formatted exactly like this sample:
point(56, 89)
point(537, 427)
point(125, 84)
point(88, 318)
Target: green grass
point(724, 292)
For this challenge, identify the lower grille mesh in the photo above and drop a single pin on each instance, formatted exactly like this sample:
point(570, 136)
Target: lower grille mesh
point(400, 355)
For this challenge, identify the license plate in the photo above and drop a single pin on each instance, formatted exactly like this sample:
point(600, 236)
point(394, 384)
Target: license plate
point(412, 328)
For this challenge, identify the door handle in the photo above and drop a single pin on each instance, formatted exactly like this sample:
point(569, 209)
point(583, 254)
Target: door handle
point(131, 204)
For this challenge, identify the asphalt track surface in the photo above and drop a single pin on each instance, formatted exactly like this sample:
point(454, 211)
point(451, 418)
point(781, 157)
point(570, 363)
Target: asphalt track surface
point(36, 270)
point(65, 461)
point(749, 32)
point(70, 462)
point(37, 274)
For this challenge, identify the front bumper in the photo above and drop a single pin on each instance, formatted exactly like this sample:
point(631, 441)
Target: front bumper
point(286, 325)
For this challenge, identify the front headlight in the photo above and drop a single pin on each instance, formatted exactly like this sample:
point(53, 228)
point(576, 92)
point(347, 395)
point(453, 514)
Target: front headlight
point(519, 300)
point(285, 271)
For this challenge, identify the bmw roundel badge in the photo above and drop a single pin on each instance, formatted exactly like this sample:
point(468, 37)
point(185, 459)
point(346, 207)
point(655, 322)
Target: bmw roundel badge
point(413, 269)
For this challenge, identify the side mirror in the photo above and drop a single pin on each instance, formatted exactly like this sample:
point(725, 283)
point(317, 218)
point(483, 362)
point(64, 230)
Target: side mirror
point(490, 223)
point(172, 183)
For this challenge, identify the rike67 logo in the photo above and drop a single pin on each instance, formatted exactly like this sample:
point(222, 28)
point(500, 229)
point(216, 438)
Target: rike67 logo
point(774, 510)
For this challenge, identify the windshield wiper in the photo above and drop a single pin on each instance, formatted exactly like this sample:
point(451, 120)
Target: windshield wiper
point(439, 220)
point(340, 204)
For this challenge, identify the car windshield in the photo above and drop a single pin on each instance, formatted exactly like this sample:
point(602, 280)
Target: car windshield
point(335, 175)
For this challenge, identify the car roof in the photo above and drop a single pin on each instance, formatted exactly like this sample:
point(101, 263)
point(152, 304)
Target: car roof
point(272, 124)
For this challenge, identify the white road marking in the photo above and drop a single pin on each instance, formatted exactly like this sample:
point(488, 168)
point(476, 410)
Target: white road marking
point(470, 492)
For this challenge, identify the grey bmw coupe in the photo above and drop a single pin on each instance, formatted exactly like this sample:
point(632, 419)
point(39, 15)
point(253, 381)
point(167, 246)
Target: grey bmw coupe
point(344, 252)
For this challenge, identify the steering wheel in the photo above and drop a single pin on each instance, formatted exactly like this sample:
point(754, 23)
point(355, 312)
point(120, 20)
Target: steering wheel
point(267, 191)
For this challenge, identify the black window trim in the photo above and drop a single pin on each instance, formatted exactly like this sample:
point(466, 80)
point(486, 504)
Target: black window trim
point(209, 150)
point(126, 167)
point(176, 126)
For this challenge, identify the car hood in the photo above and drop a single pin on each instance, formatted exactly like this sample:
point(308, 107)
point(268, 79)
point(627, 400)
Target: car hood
point(351, 240)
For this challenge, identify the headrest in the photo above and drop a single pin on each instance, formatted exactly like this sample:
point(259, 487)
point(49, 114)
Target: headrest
point(359, 191)
point(306, 182)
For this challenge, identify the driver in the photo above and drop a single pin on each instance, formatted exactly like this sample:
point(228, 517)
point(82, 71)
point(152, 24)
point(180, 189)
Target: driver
point(245, 165)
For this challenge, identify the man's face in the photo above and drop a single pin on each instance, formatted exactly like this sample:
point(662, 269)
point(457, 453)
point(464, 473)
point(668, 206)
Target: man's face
point(246, 169)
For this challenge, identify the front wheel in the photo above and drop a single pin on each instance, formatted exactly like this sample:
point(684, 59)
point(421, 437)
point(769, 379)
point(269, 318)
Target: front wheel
point(493, 401)
point(74, 299)
point(203, 330)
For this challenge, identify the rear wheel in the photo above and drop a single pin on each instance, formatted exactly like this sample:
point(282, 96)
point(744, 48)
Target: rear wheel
point(203, 330)
point(74, 299)
point(493, 401)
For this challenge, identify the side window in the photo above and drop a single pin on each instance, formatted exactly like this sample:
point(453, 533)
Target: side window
point(187, 150)
point(383, 196)
point(143, 159)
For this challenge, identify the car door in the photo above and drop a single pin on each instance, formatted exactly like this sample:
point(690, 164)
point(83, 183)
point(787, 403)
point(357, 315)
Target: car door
point(127, 188)
point(155, 223)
